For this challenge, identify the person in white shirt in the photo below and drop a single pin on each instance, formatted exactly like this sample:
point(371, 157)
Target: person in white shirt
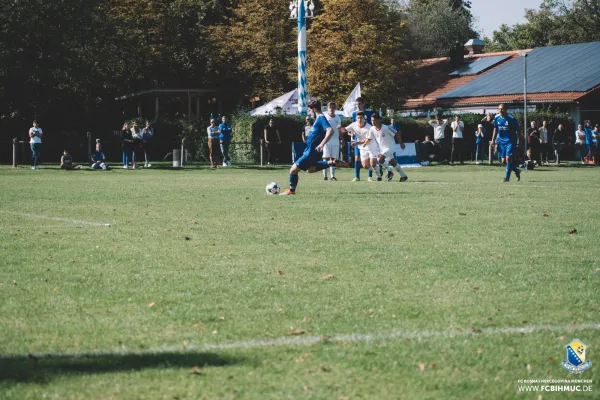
point(331, 151)
point(579, 144)
point(544, 141)
point(364, 140)
point(457, 138)
point(384, 136)
point(35, 143)
point(439, 137)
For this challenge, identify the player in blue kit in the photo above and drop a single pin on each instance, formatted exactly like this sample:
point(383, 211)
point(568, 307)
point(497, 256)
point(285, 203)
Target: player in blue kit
point(506, 127)
point(360, 107)
point(312, 158)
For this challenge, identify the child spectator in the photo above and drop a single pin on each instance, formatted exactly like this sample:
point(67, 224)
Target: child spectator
point(480, 144)
point(98, 159)
point(66, 161)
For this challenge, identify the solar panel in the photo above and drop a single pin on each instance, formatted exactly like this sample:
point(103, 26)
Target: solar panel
point(565, 68)
point(479, 65)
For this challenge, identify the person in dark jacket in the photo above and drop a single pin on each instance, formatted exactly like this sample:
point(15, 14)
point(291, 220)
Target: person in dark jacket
point(126, 145)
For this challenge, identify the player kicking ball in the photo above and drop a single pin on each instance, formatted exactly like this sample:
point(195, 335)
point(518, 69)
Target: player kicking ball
point(384, 136)
point(311, 160)
point(364, 140)
point(506, 127)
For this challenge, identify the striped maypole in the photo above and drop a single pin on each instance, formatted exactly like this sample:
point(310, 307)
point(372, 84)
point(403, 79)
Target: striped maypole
point(302, 103)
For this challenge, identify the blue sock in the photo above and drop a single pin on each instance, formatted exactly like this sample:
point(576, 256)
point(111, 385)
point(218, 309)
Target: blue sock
point(370, 172)
point(509, 168)
point(321, 165)
point(293, 182)
point(357, 169)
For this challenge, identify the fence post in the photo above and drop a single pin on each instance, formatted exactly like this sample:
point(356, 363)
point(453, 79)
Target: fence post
point(15, 141)
point(182, 151)
point(89, 149)
point(261, 152)
point(491, 153)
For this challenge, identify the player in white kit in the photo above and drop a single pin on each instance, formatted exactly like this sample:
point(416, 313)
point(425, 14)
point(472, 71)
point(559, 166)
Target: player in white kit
point(331, 151)
point(384, 136)
point(365, 141)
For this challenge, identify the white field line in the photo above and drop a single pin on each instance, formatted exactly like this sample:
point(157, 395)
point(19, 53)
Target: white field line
point(311, 340)
point(37, 216)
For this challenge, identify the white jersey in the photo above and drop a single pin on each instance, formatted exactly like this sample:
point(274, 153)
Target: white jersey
point(384, 137)
point(35, 139)
point(361, 133)
point(334, 122)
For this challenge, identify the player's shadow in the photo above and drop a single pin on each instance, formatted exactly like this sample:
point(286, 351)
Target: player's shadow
point(49, 367)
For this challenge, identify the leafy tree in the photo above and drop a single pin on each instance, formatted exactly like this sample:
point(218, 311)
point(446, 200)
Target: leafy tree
point(256, 51)
point(435, 26)
point(555, 23)
point(354, 41)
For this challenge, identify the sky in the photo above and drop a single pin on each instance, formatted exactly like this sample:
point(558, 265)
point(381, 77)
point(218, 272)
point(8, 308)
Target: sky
point(491, 13)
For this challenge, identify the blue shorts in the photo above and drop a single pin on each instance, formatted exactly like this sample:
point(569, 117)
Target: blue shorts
point(309, 158)
point(507, 149)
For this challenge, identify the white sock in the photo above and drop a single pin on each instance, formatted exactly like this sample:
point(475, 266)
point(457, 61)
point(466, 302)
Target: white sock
point(377, 172)
point(332, 170)
point(399, 169)
point(387, 165)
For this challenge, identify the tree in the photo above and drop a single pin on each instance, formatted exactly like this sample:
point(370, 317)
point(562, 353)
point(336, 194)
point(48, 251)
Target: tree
point(555, 23)
point(436, 25)
point(345, 47)
point(256, 51)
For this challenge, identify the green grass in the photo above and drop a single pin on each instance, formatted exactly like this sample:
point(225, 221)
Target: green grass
point(452, 251)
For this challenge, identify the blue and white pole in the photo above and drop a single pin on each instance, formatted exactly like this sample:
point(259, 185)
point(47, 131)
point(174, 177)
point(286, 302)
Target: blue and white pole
point(302, 102)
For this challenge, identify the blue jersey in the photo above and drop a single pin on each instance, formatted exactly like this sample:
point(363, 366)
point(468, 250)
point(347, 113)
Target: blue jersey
point(368, 114)
point(225, 132)
point(589, 138)
point(98, 156)
point(507, 128)
point(317, 133)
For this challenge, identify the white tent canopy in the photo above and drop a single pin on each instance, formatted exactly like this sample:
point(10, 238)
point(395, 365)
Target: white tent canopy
point(288, 104)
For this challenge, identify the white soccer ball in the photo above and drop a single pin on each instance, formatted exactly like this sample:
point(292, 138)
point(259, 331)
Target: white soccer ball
point(273, 188)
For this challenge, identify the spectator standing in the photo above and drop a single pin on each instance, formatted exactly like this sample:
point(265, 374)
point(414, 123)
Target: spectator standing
point(136, 134)
point(544, 141)
point(596, 142)
point(126, 144)
point(35, 143)
point(66, 161)
point(457, 138)
point(225, 138)
point(561, 142)
point(98, 159)
point(579, 144)
point(307, 127)
point(480, 145)
point(272, 139)
point(488, 128)
point(147, 135)
point(589, 141)
point(439, 137)
point(214, 143)
point(533, 140)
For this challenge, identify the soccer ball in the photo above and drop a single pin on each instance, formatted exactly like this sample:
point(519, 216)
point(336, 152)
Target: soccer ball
point(273, 188)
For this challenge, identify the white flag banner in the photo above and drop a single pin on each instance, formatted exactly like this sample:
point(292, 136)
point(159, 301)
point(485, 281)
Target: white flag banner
point(350, 103)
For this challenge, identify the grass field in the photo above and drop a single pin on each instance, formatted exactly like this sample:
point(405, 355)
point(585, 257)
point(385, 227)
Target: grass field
point(451, 285)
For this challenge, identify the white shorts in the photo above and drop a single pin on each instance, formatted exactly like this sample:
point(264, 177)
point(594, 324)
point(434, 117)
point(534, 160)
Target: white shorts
point(388, 153)
point(331, 150)
point(369, 151)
